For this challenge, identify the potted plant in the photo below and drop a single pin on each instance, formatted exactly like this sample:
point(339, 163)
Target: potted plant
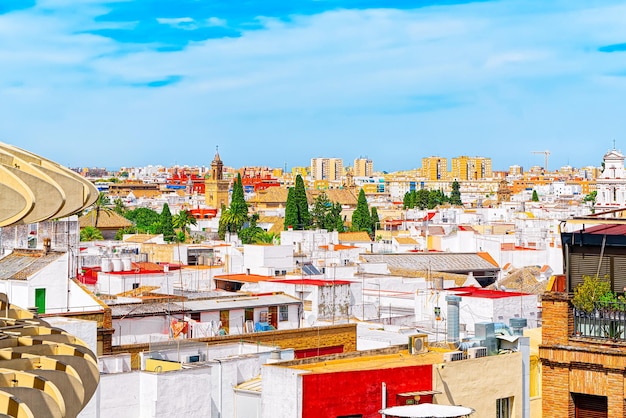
point(592, 291)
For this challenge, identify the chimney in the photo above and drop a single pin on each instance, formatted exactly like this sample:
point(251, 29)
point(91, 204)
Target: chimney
point(47, 243)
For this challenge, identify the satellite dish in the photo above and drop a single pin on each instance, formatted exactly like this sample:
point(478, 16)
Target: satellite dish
point(311, 320)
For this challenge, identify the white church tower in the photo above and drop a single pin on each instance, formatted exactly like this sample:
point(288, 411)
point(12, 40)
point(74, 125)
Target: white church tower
point(611, 185)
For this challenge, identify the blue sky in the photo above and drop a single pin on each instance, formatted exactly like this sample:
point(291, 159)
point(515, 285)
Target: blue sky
point(129, 83)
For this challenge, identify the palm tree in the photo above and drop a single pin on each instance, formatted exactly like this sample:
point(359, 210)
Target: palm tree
point(90, 233)
point(181, 220)
point(101, 205)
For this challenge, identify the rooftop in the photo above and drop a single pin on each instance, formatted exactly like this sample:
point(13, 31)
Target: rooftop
point(371, 362)
point(21, 264)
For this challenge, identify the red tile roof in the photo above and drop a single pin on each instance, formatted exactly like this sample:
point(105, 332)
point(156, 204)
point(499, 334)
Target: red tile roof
point(484, 293)
point(315, 282)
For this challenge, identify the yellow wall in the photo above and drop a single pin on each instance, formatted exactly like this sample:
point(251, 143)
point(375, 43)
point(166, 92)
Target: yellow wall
point(500, 376)
point(153, 365)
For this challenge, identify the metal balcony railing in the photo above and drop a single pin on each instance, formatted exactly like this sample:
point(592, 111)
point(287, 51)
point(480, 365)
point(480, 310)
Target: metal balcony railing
point(606, 321)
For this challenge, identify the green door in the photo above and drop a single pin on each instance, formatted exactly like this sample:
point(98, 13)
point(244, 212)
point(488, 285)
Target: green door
point(40, 300)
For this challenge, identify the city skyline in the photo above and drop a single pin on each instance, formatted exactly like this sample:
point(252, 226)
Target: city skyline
point(112, 83)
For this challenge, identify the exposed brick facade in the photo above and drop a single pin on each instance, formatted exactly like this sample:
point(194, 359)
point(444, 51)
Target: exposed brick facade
point(573, 364)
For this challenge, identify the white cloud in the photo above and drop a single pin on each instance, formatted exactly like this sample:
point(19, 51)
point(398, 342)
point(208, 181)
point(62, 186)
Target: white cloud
point(343, 74)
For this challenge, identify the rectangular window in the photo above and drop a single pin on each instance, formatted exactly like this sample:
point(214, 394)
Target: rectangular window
point(503, 407)
point(283, 314)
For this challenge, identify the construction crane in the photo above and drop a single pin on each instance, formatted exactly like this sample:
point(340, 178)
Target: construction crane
point(546, 153)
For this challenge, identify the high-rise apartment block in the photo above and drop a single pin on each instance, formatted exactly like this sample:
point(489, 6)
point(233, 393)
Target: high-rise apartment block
point(516, 170)
point(435, 168)
point(363, 167)
point(471, 168)
point(326, 169)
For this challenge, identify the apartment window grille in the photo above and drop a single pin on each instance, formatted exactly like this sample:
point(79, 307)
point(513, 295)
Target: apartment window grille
point(283, 314)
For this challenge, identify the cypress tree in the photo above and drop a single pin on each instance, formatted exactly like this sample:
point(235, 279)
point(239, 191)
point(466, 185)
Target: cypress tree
point(338, 219)
point(291, 210)
point(361, 219)
point(167, 227)
point(238, 200)
point(374, 219)
point(321, 209)
point(455, 195)
point(304, 217)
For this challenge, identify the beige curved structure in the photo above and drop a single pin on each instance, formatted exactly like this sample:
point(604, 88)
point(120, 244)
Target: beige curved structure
point(44, 371)
point(34, 189)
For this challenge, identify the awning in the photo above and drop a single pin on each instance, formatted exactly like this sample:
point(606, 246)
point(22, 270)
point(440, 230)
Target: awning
point(427, 410)
point(420, 393)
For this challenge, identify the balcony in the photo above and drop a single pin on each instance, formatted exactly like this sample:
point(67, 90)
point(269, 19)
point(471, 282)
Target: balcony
point(606, 321)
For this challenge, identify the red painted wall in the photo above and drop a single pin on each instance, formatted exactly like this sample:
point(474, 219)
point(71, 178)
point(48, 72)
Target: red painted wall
point(318, 351)
point(331, 395)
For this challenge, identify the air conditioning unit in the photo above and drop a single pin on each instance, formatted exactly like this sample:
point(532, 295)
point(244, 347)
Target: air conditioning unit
point(195, 358)
point(418, 343)
point(453, 356)
point(476, 352)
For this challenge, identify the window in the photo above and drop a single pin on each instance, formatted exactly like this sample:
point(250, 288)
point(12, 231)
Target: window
point(283, 314)
point(503, 407)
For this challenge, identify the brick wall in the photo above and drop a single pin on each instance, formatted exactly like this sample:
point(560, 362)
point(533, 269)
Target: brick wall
point(577, 365)
point(556, 400)
point(298, 339)
point(615, 394)
point(557, 325)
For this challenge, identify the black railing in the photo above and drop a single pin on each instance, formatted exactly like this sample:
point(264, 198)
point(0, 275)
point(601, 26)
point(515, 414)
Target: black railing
point(607, 321)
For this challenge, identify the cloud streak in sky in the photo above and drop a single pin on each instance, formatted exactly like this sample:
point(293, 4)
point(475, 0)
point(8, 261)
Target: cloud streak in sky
point(278, 83)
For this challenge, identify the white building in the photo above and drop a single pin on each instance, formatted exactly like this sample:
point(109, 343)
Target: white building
point(611, 184)
point(33, 278)
point(169, 385)
point(238, 314)
point(268, 260)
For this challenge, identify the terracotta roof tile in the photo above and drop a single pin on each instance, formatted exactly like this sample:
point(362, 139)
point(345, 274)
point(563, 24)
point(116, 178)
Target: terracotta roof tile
point(106, 220)
point(350, 237)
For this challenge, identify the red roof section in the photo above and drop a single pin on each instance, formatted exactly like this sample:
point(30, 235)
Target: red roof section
point(247, 278)
point(477, 292)
point(314, 282)
point(607, 229)
point(339, 247)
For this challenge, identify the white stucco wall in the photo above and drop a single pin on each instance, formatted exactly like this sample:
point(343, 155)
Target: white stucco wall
point(247, 404)
point(87, 331)
point(282, 390)
point(53, 278)
point(132, 330)
point(119, 395)
point(274, 257)
point(176, 394)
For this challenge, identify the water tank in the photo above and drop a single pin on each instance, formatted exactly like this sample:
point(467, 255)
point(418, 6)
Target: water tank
point(117, 264)
point(105, 264)
point(453, 318)
point(127, 265)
